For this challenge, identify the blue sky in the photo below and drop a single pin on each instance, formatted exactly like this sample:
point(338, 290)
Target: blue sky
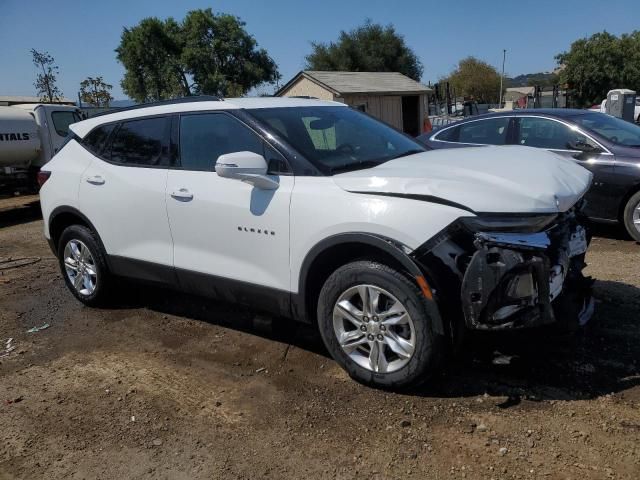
point(82, 35)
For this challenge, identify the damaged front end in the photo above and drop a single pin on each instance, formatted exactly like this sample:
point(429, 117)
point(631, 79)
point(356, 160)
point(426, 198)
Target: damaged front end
point(512, 279)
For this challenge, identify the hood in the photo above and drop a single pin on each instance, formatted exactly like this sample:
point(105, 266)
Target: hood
point(505, 179)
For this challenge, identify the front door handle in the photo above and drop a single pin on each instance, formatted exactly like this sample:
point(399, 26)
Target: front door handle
point(95, 180)
point(182, 195)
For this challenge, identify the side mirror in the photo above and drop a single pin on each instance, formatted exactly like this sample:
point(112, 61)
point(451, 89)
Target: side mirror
point(583, 146)
point(248, 167)
point(585, 149)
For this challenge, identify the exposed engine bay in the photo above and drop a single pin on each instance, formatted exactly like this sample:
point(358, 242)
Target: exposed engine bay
point(508, 279)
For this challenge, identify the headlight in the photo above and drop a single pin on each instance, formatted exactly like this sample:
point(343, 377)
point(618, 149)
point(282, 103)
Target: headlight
point(508, 223)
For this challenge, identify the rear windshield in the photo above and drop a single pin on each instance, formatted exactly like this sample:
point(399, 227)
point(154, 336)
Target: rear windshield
point(613, 129)
point(337, 139)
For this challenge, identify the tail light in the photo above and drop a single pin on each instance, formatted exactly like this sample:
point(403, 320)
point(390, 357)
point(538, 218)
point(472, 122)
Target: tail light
point(43, 176)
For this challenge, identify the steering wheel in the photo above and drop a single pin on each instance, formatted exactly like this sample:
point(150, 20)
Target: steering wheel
point(345, 148)
point(614, 139)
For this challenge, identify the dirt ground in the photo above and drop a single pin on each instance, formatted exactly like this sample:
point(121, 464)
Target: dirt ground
point(169, 386)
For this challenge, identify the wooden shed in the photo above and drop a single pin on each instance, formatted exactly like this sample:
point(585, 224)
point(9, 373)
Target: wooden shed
point(390, 96)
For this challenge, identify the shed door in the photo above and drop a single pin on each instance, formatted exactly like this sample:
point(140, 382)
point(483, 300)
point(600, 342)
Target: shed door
point(411, 115)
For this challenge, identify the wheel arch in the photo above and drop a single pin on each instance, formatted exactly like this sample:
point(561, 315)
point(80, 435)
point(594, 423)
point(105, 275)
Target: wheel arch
point(331, 253)
point(63, 217)
point(635, 188)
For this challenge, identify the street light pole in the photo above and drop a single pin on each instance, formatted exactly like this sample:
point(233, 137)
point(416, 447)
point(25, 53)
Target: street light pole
point(504, 56)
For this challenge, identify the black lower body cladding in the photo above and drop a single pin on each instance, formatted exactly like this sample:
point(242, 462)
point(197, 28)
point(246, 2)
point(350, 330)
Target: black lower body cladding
point(502, 280)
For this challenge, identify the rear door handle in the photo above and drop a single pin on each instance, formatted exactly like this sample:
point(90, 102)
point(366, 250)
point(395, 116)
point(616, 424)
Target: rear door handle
point(182, 195)
point(95, 180)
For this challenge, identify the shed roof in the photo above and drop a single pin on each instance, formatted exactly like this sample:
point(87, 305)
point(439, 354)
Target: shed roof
point(360, 82)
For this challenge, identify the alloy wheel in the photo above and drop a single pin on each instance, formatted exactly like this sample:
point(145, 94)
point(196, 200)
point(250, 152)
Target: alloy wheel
point(636, 217)
point(80, 267)
point(374, 328)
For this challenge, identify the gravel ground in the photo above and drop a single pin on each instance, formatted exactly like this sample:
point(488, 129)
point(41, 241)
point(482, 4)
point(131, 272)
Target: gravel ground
point(169, 386)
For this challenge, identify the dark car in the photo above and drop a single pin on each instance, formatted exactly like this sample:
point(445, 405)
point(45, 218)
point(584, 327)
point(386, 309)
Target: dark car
point(607, 146)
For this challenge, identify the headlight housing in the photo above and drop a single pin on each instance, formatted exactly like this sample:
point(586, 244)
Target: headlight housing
point(509, 223)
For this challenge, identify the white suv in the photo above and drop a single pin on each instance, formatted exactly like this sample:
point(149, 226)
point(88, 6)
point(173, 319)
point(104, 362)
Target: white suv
point(315, 211)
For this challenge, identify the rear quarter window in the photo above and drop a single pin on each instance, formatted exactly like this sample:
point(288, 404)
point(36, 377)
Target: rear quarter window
point(448, 134)
point(96, 140)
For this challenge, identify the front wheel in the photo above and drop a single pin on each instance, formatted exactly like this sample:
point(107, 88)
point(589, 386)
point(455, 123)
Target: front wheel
point(375, 324)
point(631, 216)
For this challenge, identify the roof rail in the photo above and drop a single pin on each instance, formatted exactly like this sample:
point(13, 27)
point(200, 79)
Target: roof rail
point(195, 98)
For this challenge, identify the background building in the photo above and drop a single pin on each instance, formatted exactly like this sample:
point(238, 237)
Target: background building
point(390, 96)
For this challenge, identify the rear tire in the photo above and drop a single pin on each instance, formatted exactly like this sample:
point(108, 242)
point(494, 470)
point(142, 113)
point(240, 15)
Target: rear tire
point(83, 265)
point(631, 216)
point(375, 323)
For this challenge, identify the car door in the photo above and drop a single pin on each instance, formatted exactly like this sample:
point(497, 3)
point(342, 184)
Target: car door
point(561, 138)
point(230, 239)
point(122, 193)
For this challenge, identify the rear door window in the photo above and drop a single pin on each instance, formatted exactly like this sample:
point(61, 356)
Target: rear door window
point(492, 131)
point(449, 134)
point(142, 142)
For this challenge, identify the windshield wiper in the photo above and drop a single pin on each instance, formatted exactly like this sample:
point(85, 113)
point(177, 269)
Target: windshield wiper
point(407, 153)
point(355, 166)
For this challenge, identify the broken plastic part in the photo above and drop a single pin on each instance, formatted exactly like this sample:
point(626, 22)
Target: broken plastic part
point(424, 286)
point(37, 329)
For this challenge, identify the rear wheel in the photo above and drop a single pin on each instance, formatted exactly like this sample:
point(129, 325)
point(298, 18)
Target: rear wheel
point(375, 324)
point(83, 265)
point(631, 216)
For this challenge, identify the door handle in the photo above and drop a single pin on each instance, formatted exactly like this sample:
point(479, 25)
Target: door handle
point(95, 180)
point(182, 194)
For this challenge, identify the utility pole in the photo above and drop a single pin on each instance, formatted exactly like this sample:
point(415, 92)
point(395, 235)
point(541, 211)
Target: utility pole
point(504, 56)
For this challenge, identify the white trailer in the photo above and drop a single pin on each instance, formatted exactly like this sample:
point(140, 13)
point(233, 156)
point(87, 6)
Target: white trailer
point(30, 135)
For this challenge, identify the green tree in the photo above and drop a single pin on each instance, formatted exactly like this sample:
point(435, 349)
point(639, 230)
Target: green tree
point(542, 80)
point(204, 54)
point(95, 92)
point(600, 63)
point(475, 79)
point(45, 83)
point(368, 48)
point(592, 66)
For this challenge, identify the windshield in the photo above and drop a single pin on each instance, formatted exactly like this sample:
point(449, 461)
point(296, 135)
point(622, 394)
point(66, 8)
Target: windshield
point(337, 139)
point(62, 119)
point(613, 129)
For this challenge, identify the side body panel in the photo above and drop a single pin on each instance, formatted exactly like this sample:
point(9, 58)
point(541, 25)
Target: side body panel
point(127, 207)
point(62, 187)
point(599, 196)
point(320, 209)
point(625, 181)
point(229, 228)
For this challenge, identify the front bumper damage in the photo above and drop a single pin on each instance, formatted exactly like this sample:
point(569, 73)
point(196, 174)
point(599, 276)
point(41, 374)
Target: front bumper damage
point(504, 280)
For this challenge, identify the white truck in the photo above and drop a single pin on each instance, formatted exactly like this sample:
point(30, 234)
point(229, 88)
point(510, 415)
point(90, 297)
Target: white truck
point(30, 134)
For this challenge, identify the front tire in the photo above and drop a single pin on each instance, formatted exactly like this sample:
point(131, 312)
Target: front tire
point(375, 324)
point(631, 216)
point(83, 265)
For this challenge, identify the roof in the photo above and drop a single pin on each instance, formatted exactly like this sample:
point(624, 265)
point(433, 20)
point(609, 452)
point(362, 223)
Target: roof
point(195, 105)
point(32, 106)
point(522, 90)
point(548, 112)
point(360, 82)
point(28, 99)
